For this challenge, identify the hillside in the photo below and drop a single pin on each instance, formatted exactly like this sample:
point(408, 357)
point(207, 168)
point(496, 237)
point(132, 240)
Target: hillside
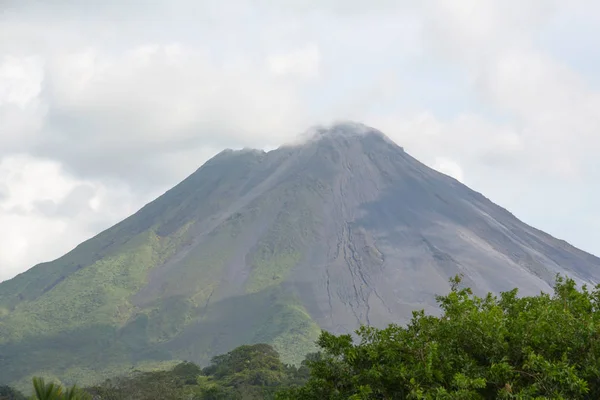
point(341, 230)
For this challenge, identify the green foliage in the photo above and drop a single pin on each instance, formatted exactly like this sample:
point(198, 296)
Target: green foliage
point(281, 248)
point(541, 347)
point(9, 393)
point(272, 316)
point(187, 372)
point(270, 268)
point(248, 372)
point(52, 391)
point(157, 287)
point(290, 329)
point(164, 385)
point(60, 332)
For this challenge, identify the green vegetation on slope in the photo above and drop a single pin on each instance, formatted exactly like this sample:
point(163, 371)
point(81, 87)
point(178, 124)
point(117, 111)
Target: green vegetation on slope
point(9, 393)
point(271, 316)
point(163, 284)
point(285, 244)
point(80, 315)
point(291, 330)
point(195, 273)
point(199, 273)
point(87, 329)
point(480, 348)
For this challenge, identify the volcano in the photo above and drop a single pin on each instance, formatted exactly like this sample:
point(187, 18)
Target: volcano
point(342, 230)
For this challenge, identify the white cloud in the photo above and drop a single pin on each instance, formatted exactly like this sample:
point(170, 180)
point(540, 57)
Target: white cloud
point(20, 80)
point(43, 211)
point(124, 114)
point(553, 111)
point(163, 95)
point(449, 167)
point(21, 113)
point(302, 63)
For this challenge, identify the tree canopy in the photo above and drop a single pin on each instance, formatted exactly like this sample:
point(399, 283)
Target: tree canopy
point(247, 372)
point(493, 347)
point(9, 393)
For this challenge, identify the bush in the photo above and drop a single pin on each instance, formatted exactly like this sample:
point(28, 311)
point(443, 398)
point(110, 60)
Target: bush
point(506, 347)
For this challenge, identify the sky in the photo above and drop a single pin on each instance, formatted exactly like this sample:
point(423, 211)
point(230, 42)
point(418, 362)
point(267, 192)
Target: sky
point(105, 104)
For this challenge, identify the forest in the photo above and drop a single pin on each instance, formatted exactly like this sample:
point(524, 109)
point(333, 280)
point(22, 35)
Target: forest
point(491, 347)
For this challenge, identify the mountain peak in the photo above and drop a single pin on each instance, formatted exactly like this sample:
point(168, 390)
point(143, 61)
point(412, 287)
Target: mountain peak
point(342, 132)
point(338, 230)
point(345, 129)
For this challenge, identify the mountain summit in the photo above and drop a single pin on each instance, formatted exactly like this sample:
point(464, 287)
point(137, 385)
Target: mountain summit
point(342, 230)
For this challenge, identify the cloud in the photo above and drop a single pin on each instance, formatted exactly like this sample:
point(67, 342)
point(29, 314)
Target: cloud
point(21, 79)
point(107, 111)
point(100, 111)
point(302, 63)
point(39, 204)
point(449, 167)
point(21, 113)
point(546, 101)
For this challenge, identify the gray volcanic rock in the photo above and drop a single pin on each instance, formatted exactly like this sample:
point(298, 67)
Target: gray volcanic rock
point(340, 230)
point(393, 232)
point(386, 231)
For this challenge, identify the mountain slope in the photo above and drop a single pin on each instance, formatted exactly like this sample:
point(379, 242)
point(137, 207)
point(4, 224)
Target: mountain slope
point(342, 230)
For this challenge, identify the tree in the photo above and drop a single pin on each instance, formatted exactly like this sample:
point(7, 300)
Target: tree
point(8, 393)
point(247, 372)
point(53, 391)
point(506, 347)
point(164, 385)
point(187, 372)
